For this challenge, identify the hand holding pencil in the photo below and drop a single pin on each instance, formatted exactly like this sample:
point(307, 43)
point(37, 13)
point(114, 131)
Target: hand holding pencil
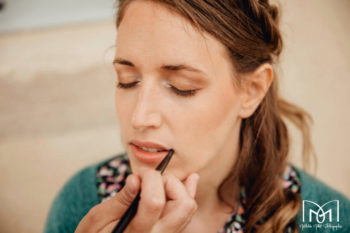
point(166, 205)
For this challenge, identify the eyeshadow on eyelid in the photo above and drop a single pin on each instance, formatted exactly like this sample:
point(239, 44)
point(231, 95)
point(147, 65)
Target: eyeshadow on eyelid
point(189, 81)
point(179, 77)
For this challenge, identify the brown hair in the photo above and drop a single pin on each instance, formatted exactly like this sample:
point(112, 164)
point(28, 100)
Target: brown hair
point(250, 32)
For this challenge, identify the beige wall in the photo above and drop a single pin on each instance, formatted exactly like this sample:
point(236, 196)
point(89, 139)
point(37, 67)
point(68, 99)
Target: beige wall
point(57, 108)
point(315, 74)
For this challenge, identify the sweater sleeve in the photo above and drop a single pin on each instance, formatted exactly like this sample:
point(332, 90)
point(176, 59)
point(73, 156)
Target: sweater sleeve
point(73, 202)
point(332, 217)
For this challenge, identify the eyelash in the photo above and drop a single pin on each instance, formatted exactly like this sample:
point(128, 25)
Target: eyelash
point(126, 85)
point(182, 92)
point(176, 90)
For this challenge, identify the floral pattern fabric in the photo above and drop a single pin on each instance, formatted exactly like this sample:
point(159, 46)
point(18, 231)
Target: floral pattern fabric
point(111, 178)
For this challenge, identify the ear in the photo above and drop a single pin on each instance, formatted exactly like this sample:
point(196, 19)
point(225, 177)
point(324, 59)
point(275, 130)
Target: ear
point(255, 86)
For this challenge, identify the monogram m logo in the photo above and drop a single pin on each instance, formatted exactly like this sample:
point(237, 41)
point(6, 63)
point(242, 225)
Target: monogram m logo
point(320, 212)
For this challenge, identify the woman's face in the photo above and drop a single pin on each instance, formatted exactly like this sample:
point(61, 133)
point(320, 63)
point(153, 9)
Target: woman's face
point(175, 91)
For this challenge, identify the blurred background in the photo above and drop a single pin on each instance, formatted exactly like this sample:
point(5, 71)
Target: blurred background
point(57, 95)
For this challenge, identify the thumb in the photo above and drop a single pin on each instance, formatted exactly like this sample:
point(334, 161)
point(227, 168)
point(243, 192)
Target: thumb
point(128, 193)
point(111, 210)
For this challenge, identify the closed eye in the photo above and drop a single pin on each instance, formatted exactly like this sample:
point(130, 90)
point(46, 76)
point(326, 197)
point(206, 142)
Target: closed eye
point(126, 85)
point(173, 88)
point(183, 92)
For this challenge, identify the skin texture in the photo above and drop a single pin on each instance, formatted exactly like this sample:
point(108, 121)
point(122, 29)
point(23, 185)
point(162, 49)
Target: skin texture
point(202, 128)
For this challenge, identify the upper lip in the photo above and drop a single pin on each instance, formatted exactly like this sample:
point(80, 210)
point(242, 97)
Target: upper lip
point(148, 144)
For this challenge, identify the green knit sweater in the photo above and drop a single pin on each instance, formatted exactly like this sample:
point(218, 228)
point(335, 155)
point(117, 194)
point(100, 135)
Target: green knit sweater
point(80, 194)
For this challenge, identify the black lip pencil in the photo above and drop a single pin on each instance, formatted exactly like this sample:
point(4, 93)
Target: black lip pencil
point(131, 211)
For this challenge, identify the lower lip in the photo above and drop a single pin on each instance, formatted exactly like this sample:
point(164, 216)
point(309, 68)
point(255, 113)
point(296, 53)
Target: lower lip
point(147, 157)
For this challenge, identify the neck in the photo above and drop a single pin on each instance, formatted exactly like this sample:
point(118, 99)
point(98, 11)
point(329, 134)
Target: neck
point(212, 212)
point(207, 196)
point(209, 201)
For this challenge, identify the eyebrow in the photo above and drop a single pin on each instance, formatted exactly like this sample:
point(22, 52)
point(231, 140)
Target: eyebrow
point(164, 67)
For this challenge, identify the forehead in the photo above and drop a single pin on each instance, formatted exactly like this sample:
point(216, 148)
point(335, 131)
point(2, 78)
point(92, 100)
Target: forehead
point(151, 34)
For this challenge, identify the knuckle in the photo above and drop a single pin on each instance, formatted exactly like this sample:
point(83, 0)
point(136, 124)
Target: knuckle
point(190, 205)
point(124, 197)
point(181, 219)
point(93, 214)
point(155, 204)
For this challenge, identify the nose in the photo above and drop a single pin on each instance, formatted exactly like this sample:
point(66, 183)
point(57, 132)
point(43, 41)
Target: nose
point(146, 112)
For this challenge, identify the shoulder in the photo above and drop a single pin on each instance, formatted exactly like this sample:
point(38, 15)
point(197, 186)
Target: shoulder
point(78, 195)
point(322, 207)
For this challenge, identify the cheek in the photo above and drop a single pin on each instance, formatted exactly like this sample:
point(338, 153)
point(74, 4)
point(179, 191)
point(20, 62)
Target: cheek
point(120, 108)
point(216, 119)
point(209, 127)
point(124, 108)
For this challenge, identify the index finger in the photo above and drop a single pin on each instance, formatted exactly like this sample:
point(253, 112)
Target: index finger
point(151, 203)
